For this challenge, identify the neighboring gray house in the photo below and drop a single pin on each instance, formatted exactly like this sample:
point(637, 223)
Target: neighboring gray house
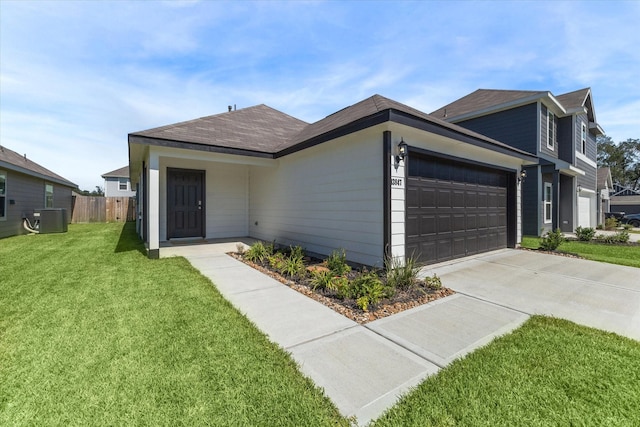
point(118, 184)
point(560, 190)
point(25, 186)
point(373, 178)
point(605, 187)
point(625, 199)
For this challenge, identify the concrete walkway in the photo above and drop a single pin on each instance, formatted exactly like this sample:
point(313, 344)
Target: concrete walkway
point(362, 369)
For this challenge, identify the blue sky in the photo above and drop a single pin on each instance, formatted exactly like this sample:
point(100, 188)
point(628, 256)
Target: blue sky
point(77, 76)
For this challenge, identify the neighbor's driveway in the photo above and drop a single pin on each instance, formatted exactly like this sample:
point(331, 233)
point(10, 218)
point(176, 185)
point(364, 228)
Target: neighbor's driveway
point(591, 293)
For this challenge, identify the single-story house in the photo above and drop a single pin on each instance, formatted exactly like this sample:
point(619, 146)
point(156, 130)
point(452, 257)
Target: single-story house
point(26, 186)
point(375, 178)
point(118, 184)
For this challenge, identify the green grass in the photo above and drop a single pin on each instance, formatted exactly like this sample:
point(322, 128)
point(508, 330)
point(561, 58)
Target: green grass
point(94, 333)
point(550, 372)
point(613, 254)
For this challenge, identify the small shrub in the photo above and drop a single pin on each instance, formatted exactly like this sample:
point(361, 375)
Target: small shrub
point(258, 252)
point(551, 240)
point(401, 275)
point(610, 223)
point(600, 226)
point(277, 261)
point(627, 226)
point(433, 282)
point(321, 279)
point(337, 263)
point(621, 236)
point(585, 234)
point(367, 289)
point(293, 265)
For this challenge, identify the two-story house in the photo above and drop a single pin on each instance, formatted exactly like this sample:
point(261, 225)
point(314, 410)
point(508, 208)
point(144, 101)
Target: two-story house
point(118, 184)
point(561, 190)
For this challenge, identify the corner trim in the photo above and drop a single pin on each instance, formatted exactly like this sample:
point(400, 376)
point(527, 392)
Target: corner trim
point(386, 191)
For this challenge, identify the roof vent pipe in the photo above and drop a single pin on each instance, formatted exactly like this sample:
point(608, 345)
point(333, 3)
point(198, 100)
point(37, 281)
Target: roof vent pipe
point(234, 107)
point(229, 108)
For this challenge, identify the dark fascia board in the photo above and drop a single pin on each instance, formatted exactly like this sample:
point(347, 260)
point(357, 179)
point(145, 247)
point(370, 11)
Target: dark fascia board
point(25, 171)
point(160, 142)
point(355, 126)
point(458, 159)
point(377, 118)
point(410, 120)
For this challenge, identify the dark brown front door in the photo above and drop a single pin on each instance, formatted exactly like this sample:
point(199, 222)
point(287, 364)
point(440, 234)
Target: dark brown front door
point(185, 203)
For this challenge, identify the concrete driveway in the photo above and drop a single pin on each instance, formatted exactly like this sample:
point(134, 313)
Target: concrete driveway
point(591, 293)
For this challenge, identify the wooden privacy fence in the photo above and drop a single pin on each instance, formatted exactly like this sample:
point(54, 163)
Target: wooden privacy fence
point(103, 209)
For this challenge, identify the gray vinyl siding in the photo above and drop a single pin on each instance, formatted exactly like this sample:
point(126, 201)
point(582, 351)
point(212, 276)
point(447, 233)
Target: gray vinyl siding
point(591, 139)
point(588, 180)
point(565, 144)
point(516, 127)
point(28, 194)
point(531, 201)
point(544, 126)
point(112, 188)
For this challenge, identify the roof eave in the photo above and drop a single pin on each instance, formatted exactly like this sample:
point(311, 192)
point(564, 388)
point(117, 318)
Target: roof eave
point(16, 168)
point(503, 106)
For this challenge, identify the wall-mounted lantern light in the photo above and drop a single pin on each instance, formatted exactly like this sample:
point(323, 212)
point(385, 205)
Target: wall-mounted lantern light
point(402, 150)
point(522, 176)
point(579, 188)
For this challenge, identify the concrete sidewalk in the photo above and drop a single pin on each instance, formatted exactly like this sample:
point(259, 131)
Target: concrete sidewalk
point(362, 369)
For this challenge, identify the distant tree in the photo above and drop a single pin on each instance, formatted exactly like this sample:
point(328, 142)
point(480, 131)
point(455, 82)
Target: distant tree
point(622, 158)
point(98, 192)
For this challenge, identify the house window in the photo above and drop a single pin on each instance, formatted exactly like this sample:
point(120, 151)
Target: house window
point(123, 184)
point(48, 195)
point(583, 142)
point(3, 195)
point(550, 130)
point(548, 198)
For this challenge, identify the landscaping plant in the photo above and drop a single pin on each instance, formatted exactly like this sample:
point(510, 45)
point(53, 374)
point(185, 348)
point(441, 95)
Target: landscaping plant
point(337, 262)
point(551, 240)
point(585, 234)
point(401, 275)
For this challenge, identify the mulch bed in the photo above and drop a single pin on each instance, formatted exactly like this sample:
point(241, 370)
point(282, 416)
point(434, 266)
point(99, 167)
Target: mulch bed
point(401, 301)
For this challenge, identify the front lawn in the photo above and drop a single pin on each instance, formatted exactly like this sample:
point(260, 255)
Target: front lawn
point(550, 372)
point(614, 254)
point(94, 333)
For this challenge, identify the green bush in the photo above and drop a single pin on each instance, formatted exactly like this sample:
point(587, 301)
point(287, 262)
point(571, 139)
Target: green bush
point(401, 275)
point(585, 234)
point(433, 282)
point(551, 240)
point(610, 223)
point(621, 236)
point(277, 261)
point(367, 289)
point(337, 263)
point(259, 251)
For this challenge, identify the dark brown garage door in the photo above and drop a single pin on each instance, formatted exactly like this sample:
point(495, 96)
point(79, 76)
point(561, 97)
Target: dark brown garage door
point(454, 209)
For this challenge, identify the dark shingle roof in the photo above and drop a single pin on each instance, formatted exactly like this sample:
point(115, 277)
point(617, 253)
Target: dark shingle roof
point(258, 128)
point(265, 130)
point(18, 162)
point(482, 99)
point(575, 99)
point(118, 173)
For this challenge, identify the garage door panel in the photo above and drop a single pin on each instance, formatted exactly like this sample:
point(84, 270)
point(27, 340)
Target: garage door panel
point(461, 209)
point(457, 199)
point(459, 222)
